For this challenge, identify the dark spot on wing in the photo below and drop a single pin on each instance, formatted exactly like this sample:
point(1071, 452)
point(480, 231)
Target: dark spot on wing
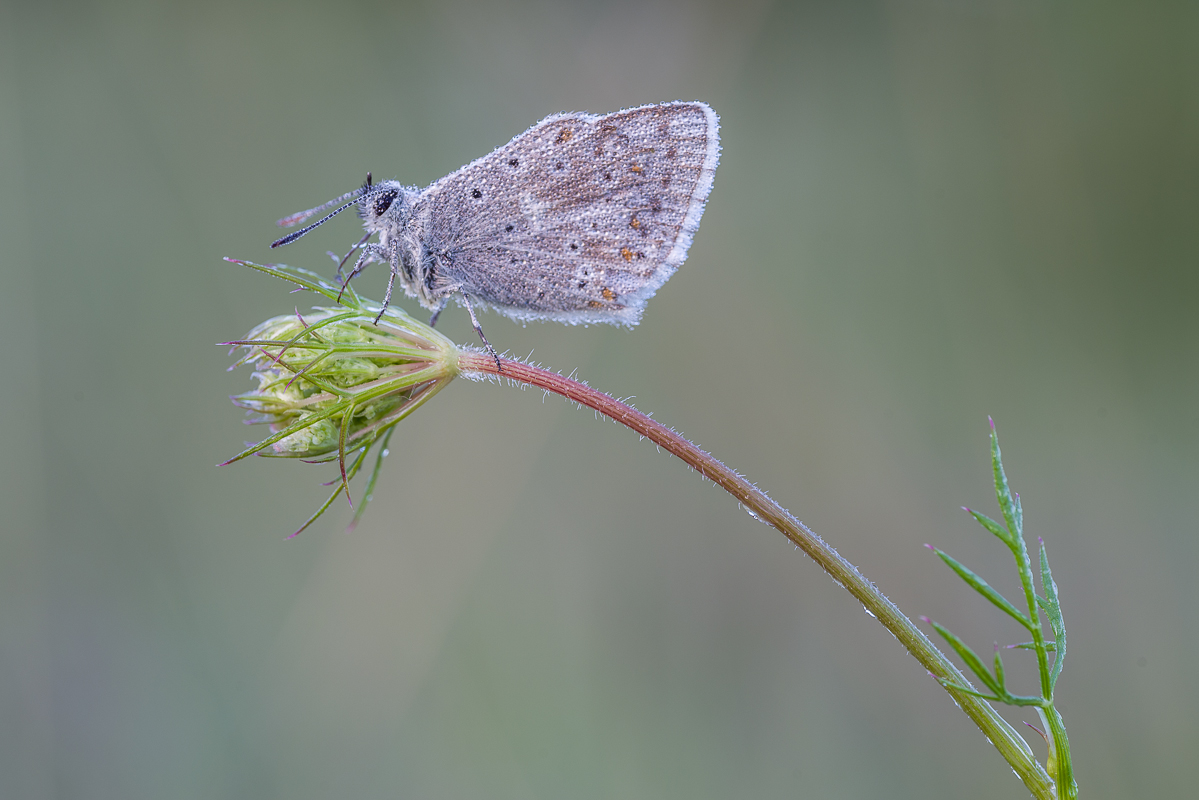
point(512, 162)
point(508, 228)
point(475, 193)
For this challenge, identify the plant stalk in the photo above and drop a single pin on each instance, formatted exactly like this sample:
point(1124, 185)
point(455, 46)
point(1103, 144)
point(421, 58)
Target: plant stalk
point(1006, 740)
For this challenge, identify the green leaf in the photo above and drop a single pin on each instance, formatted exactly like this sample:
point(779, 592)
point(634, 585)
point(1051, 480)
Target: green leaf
point(317, 514)
point(304, 279)
point(1049, 646)
point(340, 487)
point(295, 427)
point(999, 676)
point(368, 493)
point(948, 684)
point(341, 451)
point(1003, 492)
point(1018, 513)
point(985, 589)
point(1053, 610)
point(991, 525)
point(970, 657)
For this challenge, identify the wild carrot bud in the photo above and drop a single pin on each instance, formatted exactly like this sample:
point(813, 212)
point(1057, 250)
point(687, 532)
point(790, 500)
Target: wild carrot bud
point(333, 382)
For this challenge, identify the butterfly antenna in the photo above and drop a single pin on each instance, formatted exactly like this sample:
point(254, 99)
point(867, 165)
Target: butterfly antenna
point(352, 198)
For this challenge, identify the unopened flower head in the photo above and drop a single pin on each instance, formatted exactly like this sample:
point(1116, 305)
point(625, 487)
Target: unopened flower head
point(334, 381)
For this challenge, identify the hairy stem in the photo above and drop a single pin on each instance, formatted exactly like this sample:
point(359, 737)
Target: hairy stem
point(1009, 744)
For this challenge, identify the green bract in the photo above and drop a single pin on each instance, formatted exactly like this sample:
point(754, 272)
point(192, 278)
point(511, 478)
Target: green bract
point(333, 382)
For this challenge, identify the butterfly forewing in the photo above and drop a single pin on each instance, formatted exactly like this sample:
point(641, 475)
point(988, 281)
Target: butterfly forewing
point(579, 219)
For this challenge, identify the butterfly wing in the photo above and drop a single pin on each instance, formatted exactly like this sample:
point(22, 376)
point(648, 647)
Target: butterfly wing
point(579, 219)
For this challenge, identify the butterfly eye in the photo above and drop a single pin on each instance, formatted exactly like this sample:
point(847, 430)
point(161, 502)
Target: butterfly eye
point(383, 202)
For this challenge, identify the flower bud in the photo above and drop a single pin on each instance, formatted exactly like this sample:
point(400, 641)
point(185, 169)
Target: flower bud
point(333, 382)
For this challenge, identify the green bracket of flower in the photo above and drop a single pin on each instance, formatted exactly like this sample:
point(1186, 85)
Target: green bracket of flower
point(334, 383)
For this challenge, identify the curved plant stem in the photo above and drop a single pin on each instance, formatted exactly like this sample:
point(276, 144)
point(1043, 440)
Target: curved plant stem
point(1010, 745)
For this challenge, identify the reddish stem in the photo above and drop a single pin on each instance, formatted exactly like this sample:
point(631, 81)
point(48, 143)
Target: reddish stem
point(1001, 734)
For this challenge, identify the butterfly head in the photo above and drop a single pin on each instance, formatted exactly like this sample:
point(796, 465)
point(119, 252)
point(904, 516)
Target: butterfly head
point(384, 206)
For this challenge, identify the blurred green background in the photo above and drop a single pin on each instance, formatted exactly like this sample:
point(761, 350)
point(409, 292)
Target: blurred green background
point(926, 213)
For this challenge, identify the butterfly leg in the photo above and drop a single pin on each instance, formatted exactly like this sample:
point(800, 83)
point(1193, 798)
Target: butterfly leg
point(475, 321)
point(394, 260)
point(371, 252)
point(342, 262)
